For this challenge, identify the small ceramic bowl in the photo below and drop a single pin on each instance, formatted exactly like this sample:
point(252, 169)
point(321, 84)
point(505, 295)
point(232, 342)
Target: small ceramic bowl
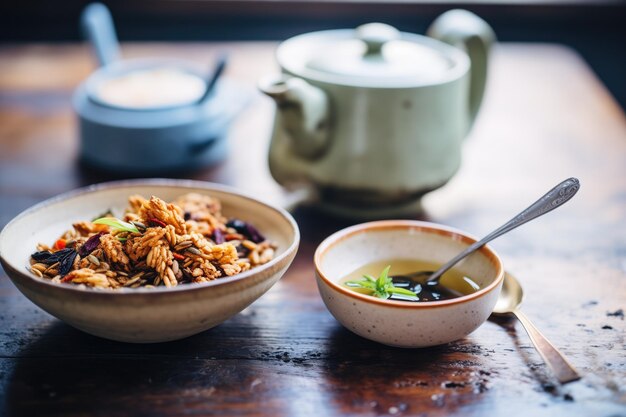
point(153, 140)
point(143, 315)
point(401, 323)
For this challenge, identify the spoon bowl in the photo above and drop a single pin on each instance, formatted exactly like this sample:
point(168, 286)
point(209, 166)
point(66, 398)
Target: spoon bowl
point(508, 302)
point(511, 296)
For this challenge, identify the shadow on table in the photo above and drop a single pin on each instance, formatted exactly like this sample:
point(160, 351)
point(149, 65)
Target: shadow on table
point(90, 174)
point(524, 348)
point(65, 372)
point(375, 378)
point(236, 365)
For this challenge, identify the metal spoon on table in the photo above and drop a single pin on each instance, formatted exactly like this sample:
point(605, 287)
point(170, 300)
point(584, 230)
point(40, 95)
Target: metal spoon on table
point(508, 302)
point(429, 281)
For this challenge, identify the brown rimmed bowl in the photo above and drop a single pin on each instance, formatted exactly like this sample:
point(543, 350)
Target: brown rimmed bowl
point(143, 315)
point(402, 323)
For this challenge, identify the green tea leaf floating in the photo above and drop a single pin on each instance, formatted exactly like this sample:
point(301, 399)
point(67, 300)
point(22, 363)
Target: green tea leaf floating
point(403, 291)
point(117, 224)
point(381, 282)
point(382, 287)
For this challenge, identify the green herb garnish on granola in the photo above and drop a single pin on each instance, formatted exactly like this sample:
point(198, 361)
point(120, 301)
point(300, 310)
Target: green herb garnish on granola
point(117, 224)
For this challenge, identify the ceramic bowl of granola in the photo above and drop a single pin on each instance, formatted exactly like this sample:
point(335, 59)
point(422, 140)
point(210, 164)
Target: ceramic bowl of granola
point(148, 260)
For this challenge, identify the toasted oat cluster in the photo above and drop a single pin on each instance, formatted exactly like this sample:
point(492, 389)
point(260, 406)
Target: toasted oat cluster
point(156, 243)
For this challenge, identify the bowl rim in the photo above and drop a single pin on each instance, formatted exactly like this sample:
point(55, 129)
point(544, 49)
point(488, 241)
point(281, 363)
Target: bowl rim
point(429, 227)
point(126, 66)
point(158, 182)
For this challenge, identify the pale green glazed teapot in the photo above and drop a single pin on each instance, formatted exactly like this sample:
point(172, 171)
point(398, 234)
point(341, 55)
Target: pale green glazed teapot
point(374, 118)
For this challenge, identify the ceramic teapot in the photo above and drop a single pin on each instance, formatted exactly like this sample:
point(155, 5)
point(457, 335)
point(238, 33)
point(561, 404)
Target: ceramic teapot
point(374, 118)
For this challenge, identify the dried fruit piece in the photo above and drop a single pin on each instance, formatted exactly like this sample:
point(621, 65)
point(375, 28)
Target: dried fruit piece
point(246, 229)
point(218, 236)
point(66, 263)
point(64, 257)
point(41, 256)
point(90, 245)
point(254, 234)
point(50, 258)
point(153, 222)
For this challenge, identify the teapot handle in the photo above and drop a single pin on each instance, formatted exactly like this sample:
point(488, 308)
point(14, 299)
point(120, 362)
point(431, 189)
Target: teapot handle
point(465, 30)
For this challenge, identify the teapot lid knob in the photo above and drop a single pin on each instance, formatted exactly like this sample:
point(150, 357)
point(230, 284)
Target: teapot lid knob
point(375, 35)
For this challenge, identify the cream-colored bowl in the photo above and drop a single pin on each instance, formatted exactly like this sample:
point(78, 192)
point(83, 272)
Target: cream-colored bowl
point(143, 315)
point(401, 323)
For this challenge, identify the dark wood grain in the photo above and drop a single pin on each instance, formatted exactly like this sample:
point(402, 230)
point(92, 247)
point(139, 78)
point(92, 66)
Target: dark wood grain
point(546, 117)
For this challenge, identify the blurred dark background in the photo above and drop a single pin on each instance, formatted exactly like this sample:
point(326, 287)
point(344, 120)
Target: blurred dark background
point(595, 28)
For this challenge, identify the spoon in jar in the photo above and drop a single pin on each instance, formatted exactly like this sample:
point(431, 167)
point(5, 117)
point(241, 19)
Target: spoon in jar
point(215, 75)
point(429, 281)
point(508, 302)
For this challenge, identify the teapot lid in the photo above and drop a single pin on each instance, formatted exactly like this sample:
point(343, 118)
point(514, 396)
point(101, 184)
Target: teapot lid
point(373, 55)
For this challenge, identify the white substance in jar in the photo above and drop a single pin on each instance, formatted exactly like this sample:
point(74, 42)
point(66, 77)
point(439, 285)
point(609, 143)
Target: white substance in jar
point(157, 87)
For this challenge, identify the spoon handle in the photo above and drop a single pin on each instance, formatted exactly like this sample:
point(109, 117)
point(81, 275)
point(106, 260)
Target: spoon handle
point(562, 369)
point(215, 75)
point(97, 26)
point(554, 198)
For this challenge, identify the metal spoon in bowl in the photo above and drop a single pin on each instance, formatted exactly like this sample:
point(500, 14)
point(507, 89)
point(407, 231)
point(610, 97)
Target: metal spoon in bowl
point(97, 26)
point(508, 302)
point(429, 281)
point(215, 75)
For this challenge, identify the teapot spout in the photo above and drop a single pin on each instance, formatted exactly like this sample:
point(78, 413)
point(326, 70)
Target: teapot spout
point(302, 113)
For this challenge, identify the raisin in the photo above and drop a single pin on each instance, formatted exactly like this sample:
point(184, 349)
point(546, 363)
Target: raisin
point(156, 223)
point(41, 256)
point(66, 263)
point(218, 236)
point(246, 229)
point(90, 245)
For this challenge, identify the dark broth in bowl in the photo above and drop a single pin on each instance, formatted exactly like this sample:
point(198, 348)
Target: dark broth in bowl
point(452, 284)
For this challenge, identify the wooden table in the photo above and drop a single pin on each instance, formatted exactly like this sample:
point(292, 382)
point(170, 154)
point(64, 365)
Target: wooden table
point(546, 117)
